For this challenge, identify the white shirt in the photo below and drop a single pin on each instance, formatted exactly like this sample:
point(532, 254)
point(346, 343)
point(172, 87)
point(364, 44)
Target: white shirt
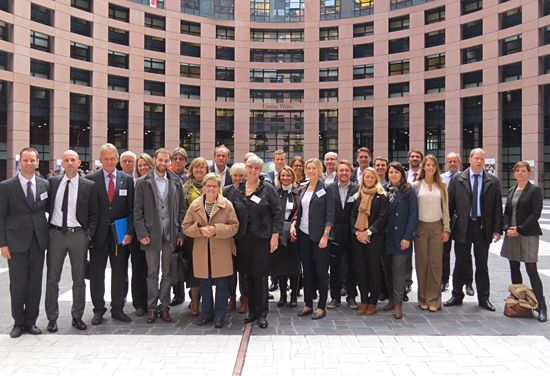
point(429, 203)
point(160, 181)
point(23, 180)
point(410, 175)
point(304, 220)
point(446, 177)
point(57, 215)
point(360, 174)
point(221, 174)
point(329, 178)
point(106, 178)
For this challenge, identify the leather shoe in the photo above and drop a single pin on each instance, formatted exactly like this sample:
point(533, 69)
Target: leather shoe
point(97, 319)
point(469, 290)
point(333, 304)
point(205, 320)
point(218, 324)
point(487, 305)
point(371, 309)
point(16, 331)
point(262, 322)
point(389, 306)
point(33, 329)
point(444, 286)
point(120, 316)
point(455, 300)
point(78, 324)
point(542, 317)
point(305, 312)
point(352, 303)
point(398, 312)
point(249, 319)
point(151, 316)
point(176, 301)
point(293, 303)
point(140, 312)
point(165, 316)
point(52, 326)
point(319, 315)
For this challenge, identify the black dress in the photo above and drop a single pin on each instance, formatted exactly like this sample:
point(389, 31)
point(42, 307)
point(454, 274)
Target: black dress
point(285, 260)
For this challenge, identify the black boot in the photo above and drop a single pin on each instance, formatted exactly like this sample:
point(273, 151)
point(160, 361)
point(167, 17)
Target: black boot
point(282, 289)
point(542, 310)
point(294, 292)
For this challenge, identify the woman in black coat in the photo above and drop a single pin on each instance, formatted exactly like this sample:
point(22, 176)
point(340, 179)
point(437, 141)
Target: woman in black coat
point(521, 226)
point(261, 221)
point(285, 261)
point(368, 224)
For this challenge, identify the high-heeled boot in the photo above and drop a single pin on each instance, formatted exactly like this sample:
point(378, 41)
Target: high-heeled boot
point(542, 317)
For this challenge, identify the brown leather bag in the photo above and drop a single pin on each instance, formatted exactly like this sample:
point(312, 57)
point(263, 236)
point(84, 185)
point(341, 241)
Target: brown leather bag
point(521, 302)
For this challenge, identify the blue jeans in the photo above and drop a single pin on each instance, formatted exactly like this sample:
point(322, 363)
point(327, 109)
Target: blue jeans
point(222, 294)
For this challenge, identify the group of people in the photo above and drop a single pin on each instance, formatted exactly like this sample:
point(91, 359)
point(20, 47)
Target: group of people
point(206, 226)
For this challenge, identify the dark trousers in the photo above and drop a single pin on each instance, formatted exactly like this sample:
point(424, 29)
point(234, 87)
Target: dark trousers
point(210, 307)
point(476, 237)
point(447, 264)
point(99, 255)
point(258, 303)
point(366, 258)
point(315, 263)
point(25, 270)
point(76, 245)
point(409, 271)
point(338, 253)
point(233, 281)
point(395, 267)
point(178, 274)
point(534, 279)
point(139, 276)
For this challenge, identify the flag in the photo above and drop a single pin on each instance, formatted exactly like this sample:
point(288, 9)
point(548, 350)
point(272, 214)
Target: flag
point(154, 3)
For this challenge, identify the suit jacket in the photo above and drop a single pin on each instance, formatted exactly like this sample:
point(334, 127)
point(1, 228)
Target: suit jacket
point(18, 219)
point(146, 214)
point(528, 210)
point(122, 205)
point(378, 214)
point(87, 207)
point(341, 227)
point(321, 210)
point(402, 222)
point(354, 175)
point(228, 179)
point(460, 205)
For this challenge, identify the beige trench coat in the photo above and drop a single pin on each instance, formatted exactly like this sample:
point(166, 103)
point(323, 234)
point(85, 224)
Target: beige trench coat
point(225, 220)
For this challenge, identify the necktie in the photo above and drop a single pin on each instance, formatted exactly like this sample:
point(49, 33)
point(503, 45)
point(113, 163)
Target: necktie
point(65, 207)
point(111, 189)
point(415, 175)
point(474, 197)
point(30, 195)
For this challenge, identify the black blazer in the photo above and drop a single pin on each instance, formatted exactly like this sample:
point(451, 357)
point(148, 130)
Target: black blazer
point(528, 210)
point(341, 215)
point(18, 219)
point(378, 214)
point(286, 197)
point(460, 205)
point(87, 207)
point(321, 210)
point(122, 206)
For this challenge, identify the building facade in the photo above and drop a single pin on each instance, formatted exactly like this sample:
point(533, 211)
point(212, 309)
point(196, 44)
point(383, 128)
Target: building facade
point(306, 76)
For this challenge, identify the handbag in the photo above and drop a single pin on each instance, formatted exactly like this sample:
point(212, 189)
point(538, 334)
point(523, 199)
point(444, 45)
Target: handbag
point(521, 302)
point(284, 237)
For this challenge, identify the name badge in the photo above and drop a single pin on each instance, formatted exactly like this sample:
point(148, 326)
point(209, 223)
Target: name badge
point(43, 195)
point(351, 199)
point(255, 199)
point(289, 205)
point(321, 192)
point(123, 192)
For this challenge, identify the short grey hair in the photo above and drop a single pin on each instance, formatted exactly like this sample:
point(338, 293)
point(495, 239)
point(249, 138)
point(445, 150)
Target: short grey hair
point(254, 160)
point(108, 147)
point(130, 154)
point(212, 176)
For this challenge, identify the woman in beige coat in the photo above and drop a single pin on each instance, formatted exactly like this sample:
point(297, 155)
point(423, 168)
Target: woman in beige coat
point(212, 222)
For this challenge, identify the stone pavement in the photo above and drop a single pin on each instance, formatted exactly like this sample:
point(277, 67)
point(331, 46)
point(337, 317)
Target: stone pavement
point(466, 338)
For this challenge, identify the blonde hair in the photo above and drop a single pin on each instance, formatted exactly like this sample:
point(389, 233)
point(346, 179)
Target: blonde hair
point(237, 168)
point(290, 171)
point(147, 158)
point(212, 176)
point(196, 162)
point(317, 163)
point(379, 189)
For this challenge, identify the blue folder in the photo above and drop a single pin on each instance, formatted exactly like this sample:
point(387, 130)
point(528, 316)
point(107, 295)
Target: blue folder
point(119, 228)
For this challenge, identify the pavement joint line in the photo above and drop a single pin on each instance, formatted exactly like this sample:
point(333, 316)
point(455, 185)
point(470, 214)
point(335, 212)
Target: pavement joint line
point(243, 347)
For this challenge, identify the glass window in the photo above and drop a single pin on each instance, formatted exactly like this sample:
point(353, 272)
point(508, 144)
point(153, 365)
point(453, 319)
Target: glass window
point(153, 127)
point(153, 65)
point(42, 69)
point(363, 71)
point(5, 58)
point(361, 93)
point(328, 95)
point(80, 26)
point(510, 72)
point(363, 50)
point(328, 74)
point(328, 131)
point(224, 94)
point(545, 64)
point(510, 18)
point(510, 45)
point(152, 43)
point(472, 126)
point(40, 107)
point(117, 83)
point(190, 70)
point(363, 127)
point(398, 23)
point(41, 14)
point(472, 54)
point(82, 4)
point(81, 51)
point(190, 28)
point(398, 67)
point(278, 76)
point(363, 29)
point(40, 41)
point(190, 49)
point(225, 53)
point(472, 79)
point(472, 29)
point(276, 96)
point(119, 36)
point(398, 133)
point(328, 54)
point(190, 120)
point(190, 92)
point(119, 13)
point(398, 45)
point(225, 74)
point(435, 61)
point(434, 15)
point(434, 85)
point(153, 88)
point(4, 32)
point(434, 129)
point(434, 38)
point(363, 7)
point(273, 130)
point(81, 77)
point(544, 35)
point(225, 32)
point(276, 56)
point(117, 123)
point(511, 115)
point(79, 128)
point(225, 127)
point(155, 22)
point(470, 6)
point(328, 33)
point(330, 9)
point(398, 89)
point(118, 59)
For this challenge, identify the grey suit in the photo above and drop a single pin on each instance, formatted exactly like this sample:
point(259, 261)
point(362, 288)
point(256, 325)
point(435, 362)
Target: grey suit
point(149, 211)
point(74, 242)
point(24, 229)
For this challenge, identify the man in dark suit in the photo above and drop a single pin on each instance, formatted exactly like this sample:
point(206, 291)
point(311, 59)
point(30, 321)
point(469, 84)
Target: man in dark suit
point(115, 191)
point(23, 239)
point(73, 219)
point(475, 208)
point(341, 245)
point(363, 157)
point(219, 166)
point(279, 161)
point(159, 210)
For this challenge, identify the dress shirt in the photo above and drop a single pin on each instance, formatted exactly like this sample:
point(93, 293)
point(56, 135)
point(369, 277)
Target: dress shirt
point(479, 189)
point(447, 176)
point(410, 175)
point(360, 175)
point(23, 180)
point(221, 174)
point(343, 191)
point(304, 221)
point(160, 181)
point(106, 178)
point(57, 215)
point(330, 178)
point(429, 203)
